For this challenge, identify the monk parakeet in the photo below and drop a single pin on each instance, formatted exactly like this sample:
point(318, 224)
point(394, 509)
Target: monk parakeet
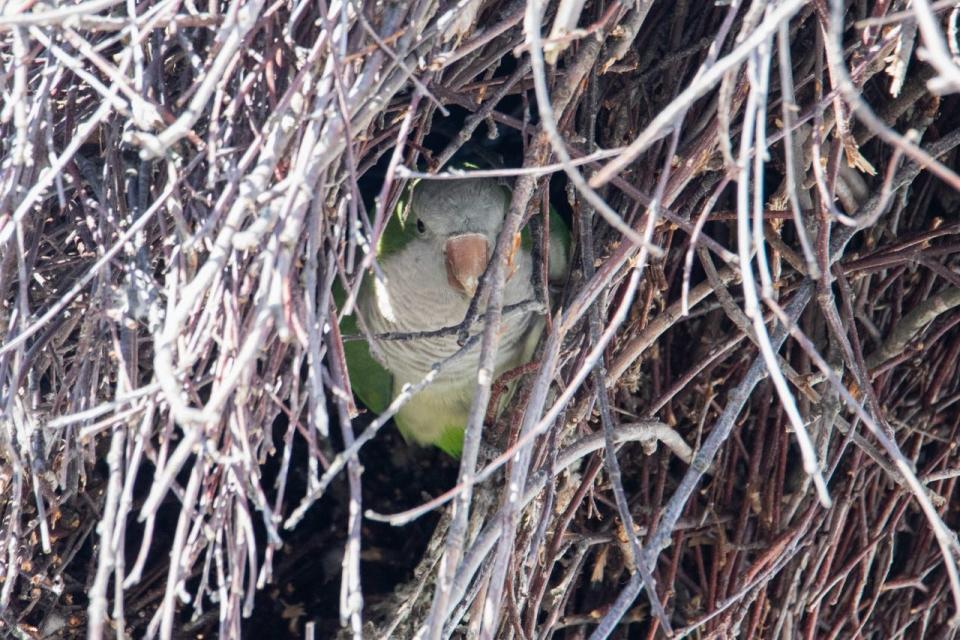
point(432, 254)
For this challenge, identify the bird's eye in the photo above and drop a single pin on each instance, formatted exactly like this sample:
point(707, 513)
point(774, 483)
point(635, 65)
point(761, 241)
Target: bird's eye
point(421, 228)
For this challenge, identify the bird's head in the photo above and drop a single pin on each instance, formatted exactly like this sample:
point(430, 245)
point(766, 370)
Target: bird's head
point(461, 220)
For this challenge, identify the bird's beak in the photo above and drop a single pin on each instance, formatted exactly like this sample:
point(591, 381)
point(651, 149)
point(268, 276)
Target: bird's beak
point(466, 256)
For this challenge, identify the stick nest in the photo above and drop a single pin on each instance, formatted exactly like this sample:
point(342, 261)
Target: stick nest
point(764, 204)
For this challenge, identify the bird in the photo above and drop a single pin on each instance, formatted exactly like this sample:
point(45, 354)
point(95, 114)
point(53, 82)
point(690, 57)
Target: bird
point(431, 256)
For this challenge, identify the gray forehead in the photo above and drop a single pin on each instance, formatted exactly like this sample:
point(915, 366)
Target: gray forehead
point(433, 197)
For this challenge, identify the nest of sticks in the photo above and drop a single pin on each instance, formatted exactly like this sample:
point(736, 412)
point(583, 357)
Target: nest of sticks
point(764, 202)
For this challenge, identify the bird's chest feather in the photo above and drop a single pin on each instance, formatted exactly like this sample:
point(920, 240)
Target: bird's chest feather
point(416, 296)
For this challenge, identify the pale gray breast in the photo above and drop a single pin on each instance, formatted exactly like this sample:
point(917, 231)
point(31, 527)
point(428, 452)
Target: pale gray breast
point(425, 302)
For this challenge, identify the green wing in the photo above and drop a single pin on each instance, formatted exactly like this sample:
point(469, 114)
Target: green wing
point(452, 441)
point(560, 240)
point(397, 234)
point(370, 381)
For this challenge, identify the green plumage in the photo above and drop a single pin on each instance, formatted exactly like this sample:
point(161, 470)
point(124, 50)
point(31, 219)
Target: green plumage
point(370, 381)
